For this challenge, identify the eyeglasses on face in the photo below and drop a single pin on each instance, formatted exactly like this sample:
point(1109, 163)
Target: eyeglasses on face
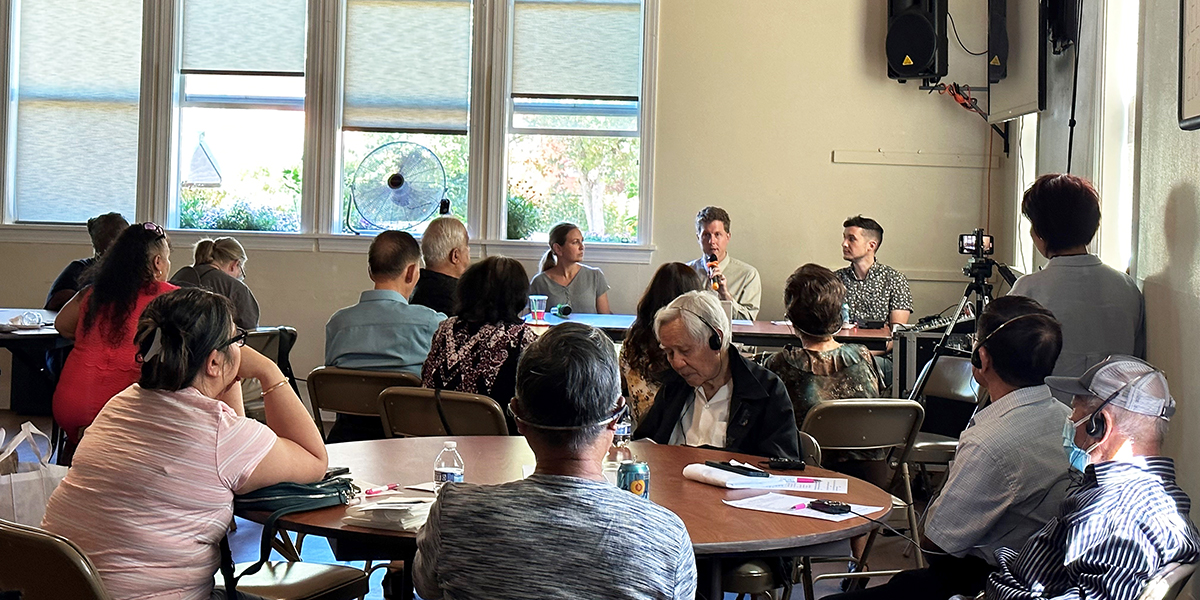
point(239, 339)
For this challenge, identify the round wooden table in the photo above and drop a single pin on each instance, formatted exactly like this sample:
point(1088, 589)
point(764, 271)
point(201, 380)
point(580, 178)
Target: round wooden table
point(716, 529)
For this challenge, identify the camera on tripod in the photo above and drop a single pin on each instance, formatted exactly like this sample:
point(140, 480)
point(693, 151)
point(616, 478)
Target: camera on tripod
point(978, 246)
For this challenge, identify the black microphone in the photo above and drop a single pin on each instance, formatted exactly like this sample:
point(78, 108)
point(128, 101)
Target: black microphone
point(716, 283)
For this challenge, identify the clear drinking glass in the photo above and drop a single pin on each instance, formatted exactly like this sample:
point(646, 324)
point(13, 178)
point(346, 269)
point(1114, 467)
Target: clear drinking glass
point(537, 306)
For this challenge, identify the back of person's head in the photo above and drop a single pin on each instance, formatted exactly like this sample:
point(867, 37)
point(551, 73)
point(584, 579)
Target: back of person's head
point(708, 214)
point(669, 282)
point(870, 227)
point(1022, 338)
point(104, 230)
point(391, 254)
point(813, 297)
point(701, 315)
point(568, 380)
point(124, 270)
point(493, 290)
point(558, 235)
point(176, 334)
point(221, 251)
point(1063, 209)
point(441, 237)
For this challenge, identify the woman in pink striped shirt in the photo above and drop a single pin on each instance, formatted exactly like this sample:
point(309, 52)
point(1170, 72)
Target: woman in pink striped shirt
point(150, 493)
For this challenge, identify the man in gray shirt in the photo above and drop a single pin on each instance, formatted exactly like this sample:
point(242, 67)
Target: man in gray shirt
point(736, 281)
point(1009, 473)
point(1101, 309)
point(564, 532)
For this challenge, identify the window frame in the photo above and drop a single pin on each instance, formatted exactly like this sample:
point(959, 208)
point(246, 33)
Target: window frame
point(490, 116)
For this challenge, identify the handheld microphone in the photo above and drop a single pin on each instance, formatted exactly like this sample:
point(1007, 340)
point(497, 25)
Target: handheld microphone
point(716, 283)
point(561, 310)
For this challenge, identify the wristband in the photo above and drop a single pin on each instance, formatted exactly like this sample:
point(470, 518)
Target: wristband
point(274, 387)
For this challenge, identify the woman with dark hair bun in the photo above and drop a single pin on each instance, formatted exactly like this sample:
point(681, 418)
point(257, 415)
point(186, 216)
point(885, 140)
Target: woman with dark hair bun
point(102, 320)
point(477, 350)
point(220, 266)
point(643, 361)
point(150, 493)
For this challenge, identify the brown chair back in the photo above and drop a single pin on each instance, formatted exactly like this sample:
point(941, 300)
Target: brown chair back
point(351, 391)
point(418, 412)
point(865, 424)
point(44, 566)
point(810, 450)
point(1168, 582)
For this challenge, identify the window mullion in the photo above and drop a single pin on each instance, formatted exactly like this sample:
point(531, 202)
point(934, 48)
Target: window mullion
point(322, 190)
point(493, 157)
point(8, 76)
point(484, 76)
point(646, 107)
point(161, 21)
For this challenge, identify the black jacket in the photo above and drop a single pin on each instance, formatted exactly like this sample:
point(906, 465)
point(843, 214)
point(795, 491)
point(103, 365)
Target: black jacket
point(761, 420)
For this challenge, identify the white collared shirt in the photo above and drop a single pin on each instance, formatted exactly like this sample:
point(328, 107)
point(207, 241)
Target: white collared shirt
point(704, 421)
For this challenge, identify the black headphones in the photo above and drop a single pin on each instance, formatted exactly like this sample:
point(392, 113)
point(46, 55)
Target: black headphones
point(714, 340)
point(1096, 424)
point(975, 361)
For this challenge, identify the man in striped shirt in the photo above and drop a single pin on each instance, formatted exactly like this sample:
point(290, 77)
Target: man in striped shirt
point(1128, 518)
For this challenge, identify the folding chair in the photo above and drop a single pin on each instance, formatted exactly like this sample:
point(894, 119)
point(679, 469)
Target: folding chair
point(275, 343)
point(418, 412)
point(351, 391)
point(869, 424)
point(951, 380)
point(1168, 582)
point(43, 565)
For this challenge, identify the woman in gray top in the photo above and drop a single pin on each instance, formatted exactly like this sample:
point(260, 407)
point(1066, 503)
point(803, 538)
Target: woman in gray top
point(220, 266)
point(566, 280)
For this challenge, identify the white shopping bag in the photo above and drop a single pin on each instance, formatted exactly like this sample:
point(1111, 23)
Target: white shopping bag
point(23, 495)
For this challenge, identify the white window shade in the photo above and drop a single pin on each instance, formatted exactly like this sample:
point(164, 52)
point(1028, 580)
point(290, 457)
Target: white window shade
point(77, 87)
point(241, 35)
point(577, 48)
point(408, 65)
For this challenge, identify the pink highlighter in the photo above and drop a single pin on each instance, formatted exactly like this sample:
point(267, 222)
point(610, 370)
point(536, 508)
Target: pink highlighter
point(379, 490)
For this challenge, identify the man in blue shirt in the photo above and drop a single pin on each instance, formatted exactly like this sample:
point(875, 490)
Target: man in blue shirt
point(383, 332)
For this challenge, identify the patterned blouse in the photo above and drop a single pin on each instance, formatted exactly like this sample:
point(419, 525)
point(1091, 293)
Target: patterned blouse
point(811, 377)
point(642, 388)
point(476, 358)
point(874, 298)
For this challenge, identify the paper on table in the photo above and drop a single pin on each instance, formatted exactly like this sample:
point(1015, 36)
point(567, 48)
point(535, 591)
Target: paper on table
point(399, 514)
point(783, 503)
point(428, 486)
point(733, 481)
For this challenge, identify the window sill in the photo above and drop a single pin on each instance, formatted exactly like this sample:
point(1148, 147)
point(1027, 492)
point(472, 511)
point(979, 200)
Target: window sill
point(301, 242)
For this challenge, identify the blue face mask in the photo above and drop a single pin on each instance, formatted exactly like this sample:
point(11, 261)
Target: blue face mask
point(1079, 458)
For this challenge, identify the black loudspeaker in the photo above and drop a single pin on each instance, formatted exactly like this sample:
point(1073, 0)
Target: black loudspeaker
point(916, 40)
point(997, 40)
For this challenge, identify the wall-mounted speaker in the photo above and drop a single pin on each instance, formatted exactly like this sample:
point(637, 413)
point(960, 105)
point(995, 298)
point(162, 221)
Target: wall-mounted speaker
point(916, 40)
point(997, 54)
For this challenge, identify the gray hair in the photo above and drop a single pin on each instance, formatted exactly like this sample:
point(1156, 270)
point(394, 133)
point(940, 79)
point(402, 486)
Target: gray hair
point(443, 235)
point(568, 381)
point(701, 313)
point(1144, 430)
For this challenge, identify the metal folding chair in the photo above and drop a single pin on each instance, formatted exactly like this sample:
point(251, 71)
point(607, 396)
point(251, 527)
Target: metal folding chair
point(418, 411)
point(351, 391)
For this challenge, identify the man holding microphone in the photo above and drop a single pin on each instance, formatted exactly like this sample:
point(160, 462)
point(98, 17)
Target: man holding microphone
point(733, 280)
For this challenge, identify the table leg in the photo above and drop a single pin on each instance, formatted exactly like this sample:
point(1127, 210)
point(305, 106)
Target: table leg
point(715, 590)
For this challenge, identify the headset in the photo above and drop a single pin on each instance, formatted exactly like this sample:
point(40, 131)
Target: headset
point(1096, 425)
point(975, 361)
point(714, 340)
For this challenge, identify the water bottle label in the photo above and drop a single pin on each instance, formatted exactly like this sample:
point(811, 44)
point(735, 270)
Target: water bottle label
point(448, 475)
point(624, 429)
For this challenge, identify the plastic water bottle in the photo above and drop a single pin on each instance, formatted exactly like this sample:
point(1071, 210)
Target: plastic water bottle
point(619, 452)
point(448, 468)
point(846, 315)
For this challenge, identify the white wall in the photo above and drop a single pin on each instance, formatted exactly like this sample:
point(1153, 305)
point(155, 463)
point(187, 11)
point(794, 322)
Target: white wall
point(754, 98)
point(1168, 209)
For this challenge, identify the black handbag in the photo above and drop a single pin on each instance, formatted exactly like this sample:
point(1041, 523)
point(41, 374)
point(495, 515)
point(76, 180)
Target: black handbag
point(281, 499)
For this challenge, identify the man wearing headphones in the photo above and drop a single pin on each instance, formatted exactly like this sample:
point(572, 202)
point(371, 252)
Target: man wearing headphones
point(714, 397)
point(1009, 474)
point(1128, 518)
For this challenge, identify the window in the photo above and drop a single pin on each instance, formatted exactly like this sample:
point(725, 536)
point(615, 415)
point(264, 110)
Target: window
point(76, 101)
point(406, 112)
point(240, 144)
point(1116, 122)
point(573, 144)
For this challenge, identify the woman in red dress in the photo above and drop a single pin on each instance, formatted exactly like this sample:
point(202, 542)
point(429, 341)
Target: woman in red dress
point(102, 319)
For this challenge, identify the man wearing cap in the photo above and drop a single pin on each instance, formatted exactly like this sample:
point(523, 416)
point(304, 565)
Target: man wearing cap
point(1128, 518)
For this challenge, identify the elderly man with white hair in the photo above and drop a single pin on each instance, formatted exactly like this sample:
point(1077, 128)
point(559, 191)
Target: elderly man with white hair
point(1128, 518)
point(714, 397)
point(447, 256)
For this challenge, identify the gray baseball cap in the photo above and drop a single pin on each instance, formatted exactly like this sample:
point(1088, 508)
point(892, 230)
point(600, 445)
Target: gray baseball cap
point(1133, 384)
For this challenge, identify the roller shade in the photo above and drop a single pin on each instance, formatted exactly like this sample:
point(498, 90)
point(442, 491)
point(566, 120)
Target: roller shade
point(408, 64)
point(244, 35)
point(577, 48)
point(77, 109)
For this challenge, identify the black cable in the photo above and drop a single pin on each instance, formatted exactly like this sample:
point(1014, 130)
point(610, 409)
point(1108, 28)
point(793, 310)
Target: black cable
point(910, 540)
point(960, 42)
point(1074, 85)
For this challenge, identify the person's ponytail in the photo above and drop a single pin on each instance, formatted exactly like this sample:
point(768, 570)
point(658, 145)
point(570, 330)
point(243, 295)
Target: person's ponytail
point(548, 260)
point(203, 252)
